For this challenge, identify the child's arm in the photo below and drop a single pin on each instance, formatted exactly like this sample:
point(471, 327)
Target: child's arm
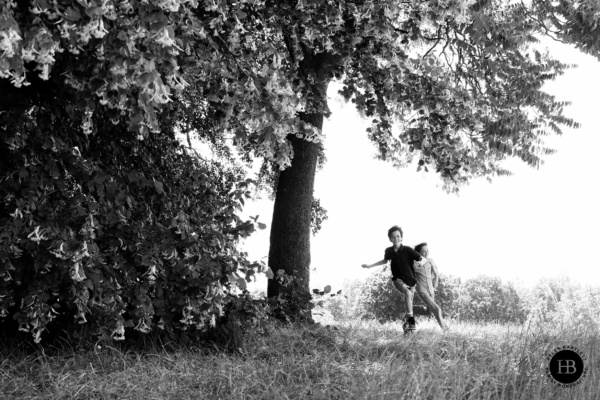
point(417, 258)
point(435, 273)
point(377, 264)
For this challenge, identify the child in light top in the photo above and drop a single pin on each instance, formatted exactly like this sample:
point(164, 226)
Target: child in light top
point(427, 277)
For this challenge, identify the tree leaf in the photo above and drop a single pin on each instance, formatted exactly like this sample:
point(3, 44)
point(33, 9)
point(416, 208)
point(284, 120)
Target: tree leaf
point(269, 273)
point(241, 282)
point(159, 187)
point(72, 14)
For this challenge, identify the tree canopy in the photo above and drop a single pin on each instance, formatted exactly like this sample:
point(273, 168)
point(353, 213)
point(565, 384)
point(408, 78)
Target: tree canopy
point(399, 62)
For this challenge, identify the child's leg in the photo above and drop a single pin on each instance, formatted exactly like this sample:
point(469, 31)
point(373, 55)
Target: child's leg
point(435, 309)
point(408, 300)
point(421, 310)
point(408, 294)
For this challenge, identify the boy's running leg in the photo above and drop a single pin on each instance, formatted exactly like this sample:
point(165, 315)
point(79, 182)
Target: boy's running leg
point(408, 292)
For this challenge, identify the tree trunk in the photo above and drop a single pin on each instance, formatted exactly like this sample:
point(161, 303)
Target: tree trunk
point(290, 230)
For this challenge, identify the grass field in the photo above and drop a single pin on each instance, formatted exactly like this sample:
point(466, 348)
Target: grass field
point(351, 360)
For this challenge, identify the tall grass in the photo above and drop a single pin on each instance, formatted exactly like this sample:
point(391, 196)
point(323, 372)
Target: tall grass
point(350, 360)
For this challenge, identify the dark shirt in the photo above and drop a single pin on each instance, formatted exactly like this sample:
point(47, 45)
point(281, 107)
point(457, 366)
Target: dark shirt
point(402, 263)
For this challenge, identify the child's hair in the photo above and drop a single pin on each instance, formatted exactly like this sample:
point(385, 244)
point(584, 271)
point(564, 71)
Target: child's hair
point(395, 228)
point(420, 246)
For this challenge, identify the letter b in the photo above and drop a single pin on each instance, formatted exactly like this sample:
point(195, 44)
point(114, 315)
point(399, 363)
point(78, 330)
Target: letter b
point(566, 365)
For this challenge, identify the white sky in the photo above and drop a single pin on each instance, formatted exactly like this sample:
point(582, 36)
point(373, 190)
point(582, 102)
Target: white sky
point(536, 223)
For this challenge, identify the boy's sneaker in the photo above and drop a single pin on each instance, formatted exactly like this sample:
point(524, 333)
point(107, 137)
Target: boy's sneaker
point(412, 325)
point(409, 325)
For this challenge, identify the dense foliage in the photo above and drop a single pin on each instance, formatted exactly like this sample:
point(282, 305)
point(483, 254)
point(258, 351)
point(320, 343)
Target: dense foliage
point(489, 298)
point(569, 21)
point(563, 303)
point(264, 64)
point(482, 298)
point(447, 295)
point(380, 300)
point(110, 230)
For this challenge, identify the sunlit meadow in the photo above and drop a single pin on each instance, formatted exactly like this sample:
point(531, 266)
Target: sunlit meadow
point(348, 360)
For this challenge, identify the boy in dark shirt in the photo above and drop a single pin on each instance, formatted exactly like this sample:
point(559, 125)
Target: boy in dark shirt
point(403, 277)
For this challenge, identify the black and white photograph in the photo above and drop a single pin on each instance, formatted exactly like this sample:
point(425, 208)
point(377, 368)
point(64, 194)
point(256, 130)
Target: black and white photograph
point(308, 199)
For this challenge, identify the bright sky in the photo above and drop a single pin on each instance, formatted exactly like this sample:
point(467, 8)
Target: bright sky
point(536, 223)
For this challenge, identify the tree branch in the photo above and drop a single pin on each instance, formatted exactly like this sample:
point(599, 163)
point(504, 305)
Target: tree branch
point(290, 49)
point(432, 47)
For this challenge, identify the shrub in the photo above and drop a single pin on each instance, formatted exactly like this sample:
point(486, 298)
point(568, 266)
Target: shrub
point(341, 307)
point(447, 294)
point(479, 299)
point(561, 303)
point(379, 299)
point(487, 298)
point(552, 302)
point(112, 231)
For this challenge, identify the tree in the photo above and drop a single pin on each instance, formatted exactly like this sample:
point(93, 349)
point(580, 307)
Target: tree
point(454, 85)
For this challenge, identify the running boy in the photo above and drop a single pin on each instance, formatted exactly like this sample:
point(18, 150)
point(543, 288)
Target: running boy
point(403, 277)
point(427, 280)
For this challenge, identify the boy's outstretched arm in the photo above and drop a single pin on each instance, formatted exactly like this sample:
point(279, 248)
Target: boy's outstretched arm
point(377, 264)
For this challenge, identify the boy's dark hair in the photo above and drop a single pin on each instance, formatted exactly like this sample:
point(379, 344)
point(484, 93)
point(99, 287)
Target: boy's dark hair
point(395, 228)
point(420, 246)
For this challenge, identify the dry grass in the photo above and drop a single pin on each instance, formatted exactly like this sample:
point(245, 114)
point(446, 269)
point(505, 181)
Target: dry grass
point(353, 360)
